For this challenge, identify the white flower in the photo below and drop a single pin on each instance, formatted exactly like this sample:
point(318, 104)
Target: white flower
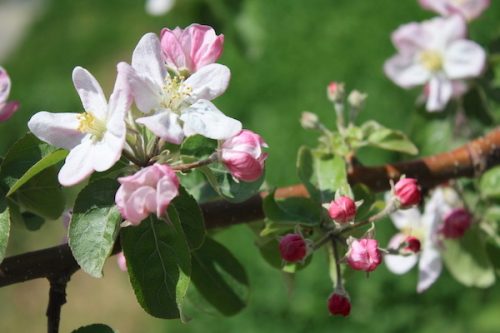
point(96, 137)
point(434, 53)
point(176, 106)
point(424, 227)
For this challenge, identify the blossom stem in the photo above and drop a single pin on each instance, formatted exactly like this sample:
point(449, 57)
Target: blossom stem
point(391, 207)
point(194, 165)
point(337, 262)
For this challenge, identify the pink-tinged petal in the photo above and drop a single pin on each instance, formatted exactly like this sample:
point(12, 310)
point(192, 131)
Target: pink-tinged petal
point(464, 59)
point(205, 46)
point(120, 100)
point(246, 141)
point(439, 6)
point(7, 110)
point(429, 266)
point(166, 190)
point(159, 7)
point(444, 31)
point(408, 219)
point(90, 92)
point(469, 9)
point(121, 261)
point(439, 94)
point(139, 204)
point(164, 125)
point(78, 164)
point(409, 38)
point(147, 60)
point(209, 82)
point(242, 165)
point(175, 55)
point(205, 119)
point(106, 152)
point(143, 177)
point(58, 129)
point(399, 264)
point(405, 72)
point(4, 85)
point(146, 93)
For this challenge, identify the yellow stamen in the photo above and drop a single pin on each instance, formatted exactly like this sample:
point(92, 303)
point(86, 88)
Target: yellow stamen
point(432, 60)
point(92, 125)
point(175, 92)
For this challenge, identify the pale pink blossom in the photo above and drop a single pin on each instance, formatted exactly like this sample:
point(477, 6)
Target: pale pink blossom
point(342, 209)
point(7, 109)
point(149, 190)
point(364, 254)
point(121, 261)
point(435, 53)
point(96, 137)
point(176, 106)
point(424, 227)
point(469, 9)
point(243, 156)
point(191, 48)
point(293, 248)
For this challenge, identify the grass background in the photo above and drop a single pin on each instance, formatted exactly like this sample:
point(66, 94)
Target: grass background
point(282, 54)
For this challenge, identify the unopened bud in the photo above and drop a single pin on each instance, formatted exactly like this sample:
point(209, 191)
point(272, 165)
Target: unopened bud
point(456, 223)
point(408, 192)
point(309, 120)
point(339, 304)
point(356, 99)
point(342, 210)
point(412, 244)
point(121, 261)
point(336, 92)
point(364, 254)
point(293, 248)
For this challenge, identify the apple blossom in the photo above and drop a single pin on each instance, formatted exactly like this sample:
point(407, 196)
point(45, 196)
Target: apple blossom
point(96, 137)
point(364, 254)
point(339, 304)
point(342, 209)
point(159, 7)
point(149, 190)
point(7, 109)
point(455, 223)
point(293, 248)
point(189, 49)
point(175, 106)
point(435, 53)
point(469, 9)
point(407, 192)
point(425, 228)
point(243, 156)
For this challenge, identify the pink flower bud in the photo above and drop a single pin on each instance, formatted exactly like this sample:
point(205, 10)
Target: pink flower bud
point(121, 261)
point(364, 255)
point(408, 192)
point(293, 248)
point(336, 92)
point(339, 304)
point(7, 109)
point(191, 48)
point(456, 223)
point(149, 190)
point(342, 210)
point(412, 244)
point(243, 156)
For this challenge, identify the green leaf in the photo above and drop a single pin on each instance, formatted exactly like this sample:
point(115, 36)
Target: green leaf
point(94, 225)
point(468, 262)
point(47, 161)
point(379, 136)
point(490, 183)
point(191, 218)
point(119, 169)
point(159, 264)
point(322, 174)
point(4, 227)
point(95, 328)
point(220, 278)
point(198, 146)
point(292, 210)
point(475, 104)
point(31, 221)
point(42, 195)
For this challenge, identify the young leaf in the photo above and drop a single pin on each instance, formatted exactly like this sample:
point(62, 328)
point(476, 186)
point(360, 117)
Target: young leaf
point(191, 218)
point(95, 328)
point(94, 225)
point(159, 264)
point(4, 226)
point(490, 183)
point(292, 210)
point(220, 278)
point(198, 146)
point(379, 136)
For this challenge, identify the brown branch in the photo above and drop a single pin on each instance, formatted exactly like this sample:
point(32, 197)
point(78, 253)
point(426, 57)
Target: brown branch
point(467, 161)
point(57, 298)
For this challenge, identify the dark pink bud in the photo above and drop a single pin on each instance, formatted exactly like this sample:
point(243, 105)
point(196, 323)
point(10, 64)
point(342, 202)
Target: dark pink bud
point(342, 210)
point(412, 244)
point(339, 304)
point(364, 255)
point(293, 248)
point(408, 192)
point(456, 223)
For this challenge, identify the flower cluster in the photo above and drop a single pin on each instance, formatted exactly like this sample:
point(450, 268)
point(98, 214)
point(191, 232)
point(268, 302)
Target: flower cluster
point(171, 80)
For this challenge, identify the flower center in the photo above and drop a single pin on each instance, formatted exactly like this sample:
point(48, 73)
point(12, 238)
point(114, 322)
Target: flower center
point(92, 125)
point(432, 60)
point(174, 93)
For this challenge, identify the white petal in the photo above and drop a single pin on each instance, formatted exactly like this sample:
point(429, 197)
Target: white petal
point(208, 82)
point(121, 98)
point(107, 151)
point(4, 85)
point(407, 218)
point(159, 7)
point(58, 129)
point(164, 125)
point(90, 92)
point(442, 32)
point(146, 93)
point(396, 263)
point(205, 119)
point(464, 59)
point(78, 165)
point(409, 38)
point(147, 60)
point(430, 266)
point(405, 71)
point(440, 91)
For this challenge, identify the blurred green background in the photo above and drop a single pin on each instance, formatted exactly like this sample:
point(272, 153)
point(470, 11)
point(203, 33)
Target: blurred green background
point(282, 54)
